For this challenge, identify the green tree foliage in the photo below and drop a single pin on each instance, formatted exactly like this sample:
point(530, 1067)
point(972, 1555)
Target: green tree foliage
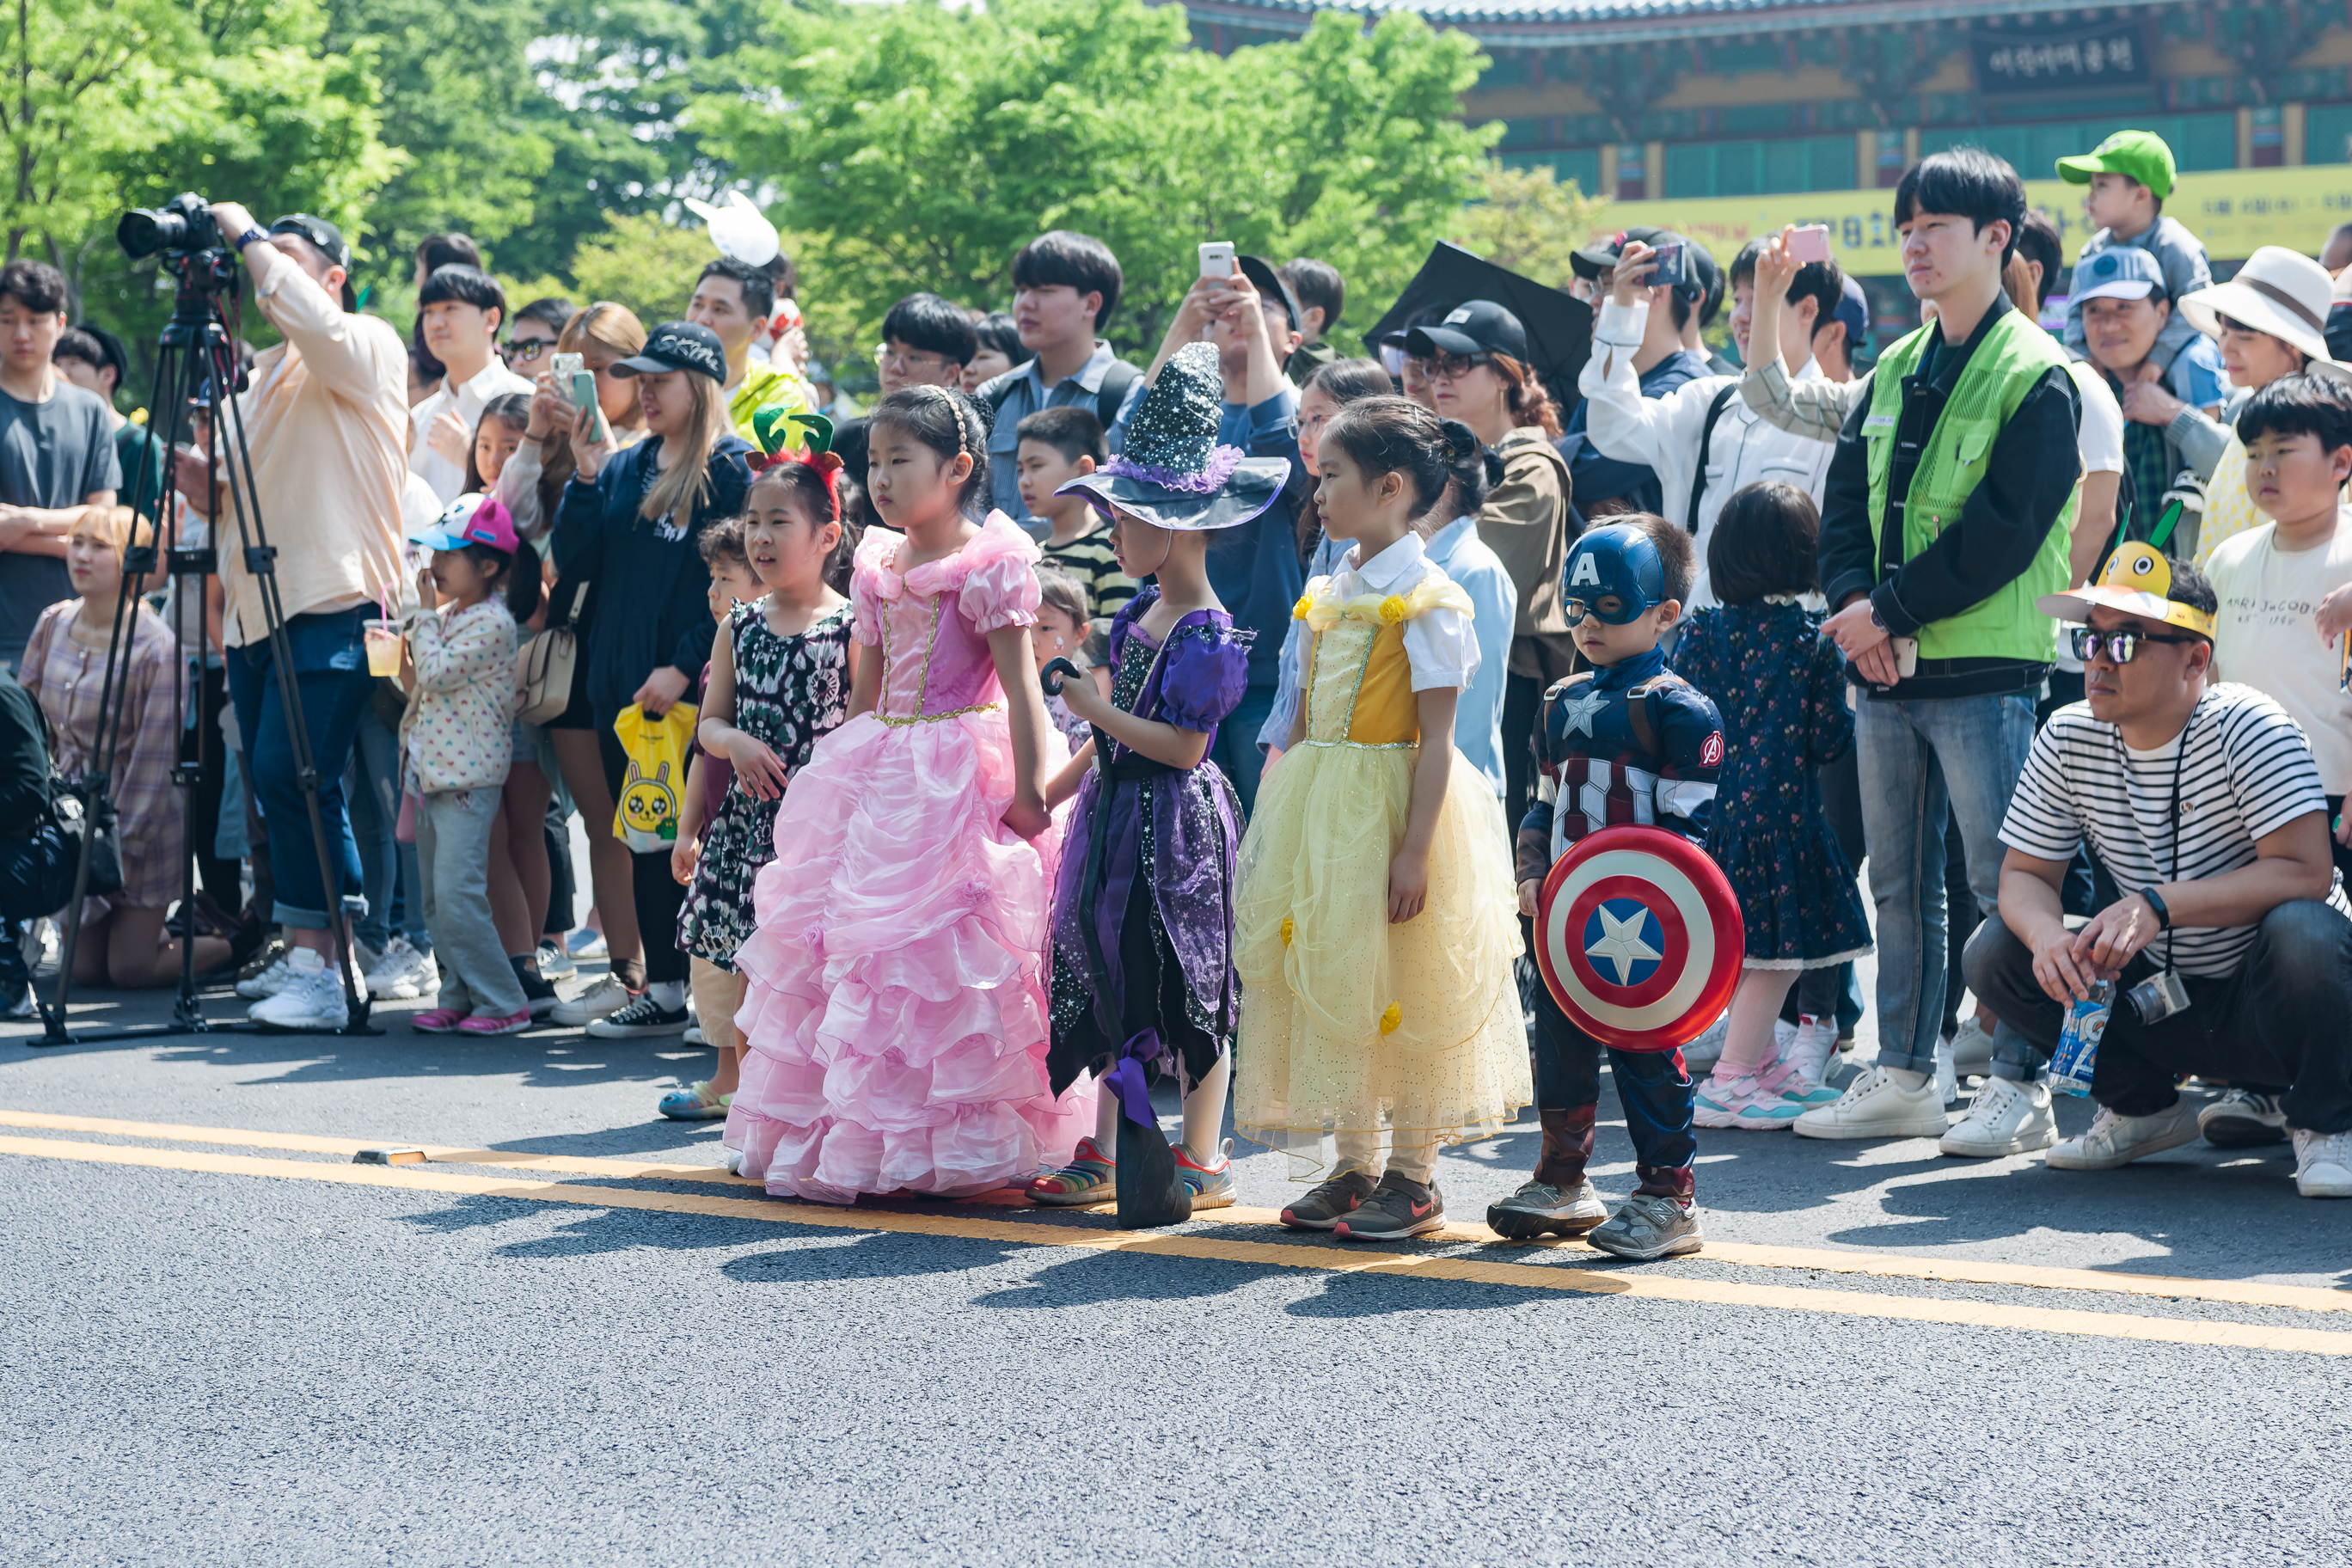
point(923, 144)
point(1525, 220)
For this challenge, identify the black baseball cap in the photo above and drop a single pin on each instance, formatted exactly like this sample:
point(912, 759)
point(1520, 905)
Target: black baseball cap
point(319, 232)
point(1479, 327)
point(1268, 282)
point(678, 345)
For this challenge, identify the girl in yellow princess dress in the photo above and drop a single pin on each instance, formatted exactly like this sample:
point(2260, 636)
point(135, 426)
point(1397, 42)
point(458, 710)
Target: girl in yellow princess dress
point(1376, 923)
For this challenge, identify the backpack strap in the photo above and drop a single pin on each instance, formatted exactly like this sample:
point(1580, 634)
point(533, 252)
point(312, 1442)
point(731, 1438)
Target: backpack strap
point(1706, 435)
point(1116, 381)
point(1540, 740)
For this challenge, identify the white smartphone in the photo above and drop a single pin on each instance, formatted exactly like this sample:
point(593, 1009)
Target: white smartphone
point(1906, 657)
point(1217, 259)
point(562, 367)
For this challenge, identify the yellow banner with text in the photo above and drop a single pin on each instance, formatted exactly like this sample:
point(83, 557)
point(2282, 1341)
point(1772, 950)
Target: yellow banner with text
point(2233, 211)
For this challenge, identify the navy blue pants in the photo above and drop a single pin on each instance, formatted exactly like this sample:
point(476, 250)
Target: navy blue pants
point(1655, 1087)
point(331, 682)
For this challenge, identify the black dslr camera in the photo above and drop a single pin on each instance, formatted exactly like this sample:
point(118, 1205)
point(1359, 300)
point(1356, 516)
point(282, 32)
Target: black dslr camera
point(183, 223)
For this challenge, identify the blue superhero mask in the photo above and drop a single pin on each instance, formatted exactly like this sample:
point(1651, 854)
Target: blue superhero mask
point(1618, 560)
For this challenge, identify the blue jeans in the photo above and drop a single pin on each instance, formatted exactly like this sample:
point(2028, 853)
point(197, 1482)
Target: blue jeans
point(333, 682)
point(375, 785)
point(1234, 750)
point(1922, 762)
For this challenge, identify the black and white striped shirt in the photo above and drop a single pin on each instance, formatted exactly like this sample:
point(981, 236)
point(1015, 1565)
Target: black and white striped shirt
point(2248, 772)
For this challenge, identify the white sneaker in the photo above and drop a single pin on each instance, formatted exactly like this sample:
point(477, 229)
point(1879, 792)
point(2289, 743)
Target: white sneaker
point(1707, 1050)
point(48, 948)
point(2323, 1164)
point(269, 982)
point(1972, 1050)
point(2117, 1140)
point(2007, 1118)
point(1877, 1105)
point(2241, 1119)
point(402, 974)
point(1810, 1046)
point(607, 995)
point(311, 1001)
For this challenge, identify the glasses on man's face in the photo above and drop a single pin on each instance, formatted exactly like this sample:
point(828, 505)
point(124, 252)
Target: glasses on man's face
point(2120, 647)
point(1452, 367)
point(889, 358)
point(525, 350)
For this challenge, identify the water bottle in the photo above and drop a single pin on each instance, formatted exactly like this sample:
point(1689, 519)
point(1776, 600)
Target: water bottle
point(2078, 1055)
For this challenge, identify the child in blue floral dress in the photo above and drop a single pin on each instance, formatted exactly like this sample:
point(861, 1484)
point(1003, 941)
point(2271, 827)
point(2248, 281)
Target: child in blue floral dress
point(1780, 685)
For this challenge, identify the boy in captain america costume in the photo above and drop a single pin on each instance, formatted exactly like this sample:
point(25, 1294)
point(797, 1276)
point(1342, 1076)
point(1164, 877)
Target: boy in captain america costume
point(1626, 742)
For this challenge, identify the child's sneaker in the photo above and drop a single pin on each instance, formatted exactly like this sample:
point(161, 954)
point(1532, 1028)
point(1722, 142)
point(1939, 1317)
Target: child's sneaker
point(1090, 1177)
point(1809, 1051)
point(555, 959)
point(1538, 1208)
point(695, 1102)
point(1718, 1101)
point(1650, 1226)
point(488, 1024)
point(1211, 1186)
point(1398, 1208)
point(436, 1020)
point(1783, 1093)
point(1329, 1201)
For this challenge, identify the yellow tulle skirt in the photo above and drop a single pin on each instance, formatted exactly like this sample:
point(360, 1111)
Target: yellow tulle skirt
point(1348, 1023)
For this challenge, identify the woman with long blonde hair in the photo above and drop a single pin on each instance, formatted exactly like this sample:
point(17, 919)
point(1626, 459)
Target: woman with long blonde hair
point(628, 523)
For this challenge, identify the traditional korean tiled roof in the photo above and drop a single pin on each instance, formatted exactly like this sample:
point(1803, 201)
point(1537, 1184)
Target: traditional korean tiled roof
point(1603, 21)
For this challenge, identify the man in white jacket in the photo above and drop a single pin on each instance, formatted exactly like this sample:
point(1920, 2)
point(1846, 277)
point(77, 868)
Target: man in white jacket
point(1702, 439)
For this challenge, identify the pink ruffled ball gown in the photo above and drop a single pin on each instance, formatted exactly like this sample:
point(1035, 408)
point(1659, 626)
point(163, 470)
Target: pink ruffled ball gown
point(896, 1005)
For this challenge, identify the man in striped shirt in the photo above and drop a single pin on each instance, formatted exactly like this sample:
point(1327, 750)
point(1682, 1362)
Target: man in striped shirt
point(2203, 802)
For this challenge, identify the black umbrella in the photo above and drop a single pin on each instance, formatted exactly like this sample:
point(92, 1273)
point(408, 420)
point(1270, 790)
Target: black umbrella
point(1558, 326)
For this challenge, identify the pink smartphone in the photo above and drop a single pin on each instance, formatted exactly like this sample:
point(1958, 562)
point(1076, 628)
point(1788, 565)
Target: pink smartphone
point(1809, 243)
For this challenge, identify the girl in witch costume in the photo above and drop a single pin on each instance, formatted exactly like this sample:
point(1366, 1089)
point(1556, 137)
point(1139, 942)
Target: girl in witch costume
point(894, 1017)
point(1351, 1022)
point(1143, 912)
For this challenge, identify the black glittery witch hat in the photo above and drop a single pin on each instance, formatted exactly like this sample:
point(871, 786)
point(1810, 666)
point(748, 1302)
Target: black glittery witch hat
point(1173, 472)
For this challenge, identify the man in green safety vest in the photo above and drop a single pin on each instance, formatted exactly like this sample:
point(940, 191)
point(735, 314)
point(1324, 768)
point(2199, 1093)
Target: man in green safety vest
point(1945, 515)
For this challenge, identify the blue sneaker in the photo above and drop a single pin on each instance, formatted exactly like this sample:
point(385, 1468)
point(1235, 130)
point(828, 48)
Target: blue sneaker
point(1211, 1186)
point(1090, 1177)
point(695, 1102)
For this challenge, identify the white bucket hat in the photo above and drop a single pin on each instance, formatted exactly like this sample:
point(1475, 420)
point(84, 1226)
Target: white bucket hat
point(2277, 292)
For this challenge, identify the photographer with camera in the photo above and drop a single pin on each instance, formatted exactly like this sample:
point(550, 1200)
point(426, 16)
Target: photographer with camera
point(326, 419)
point(2231, 954)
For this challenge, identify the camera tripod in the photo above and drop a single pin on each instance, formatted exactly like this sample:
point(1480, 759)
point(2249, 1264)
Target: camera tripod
point(197, 353)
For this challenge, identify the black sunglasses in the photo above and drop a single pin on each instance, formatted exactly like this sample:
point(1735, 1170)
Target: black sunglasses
point(525, 348)
point(2121, 648)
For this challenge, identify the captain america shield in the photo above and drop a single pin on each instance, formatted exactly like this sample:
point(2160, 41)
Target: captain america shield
point(1638, 936)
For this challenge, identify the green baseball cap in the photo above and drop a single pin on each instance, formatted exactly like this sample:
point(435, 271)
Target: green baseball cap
point(2137, 154)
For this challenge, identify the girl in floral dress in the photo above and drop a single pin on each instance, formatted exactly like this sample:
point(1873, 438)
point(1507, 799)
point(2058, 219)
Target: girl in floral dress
point(894, 1017)
point(780, 681)
point(1780, 686)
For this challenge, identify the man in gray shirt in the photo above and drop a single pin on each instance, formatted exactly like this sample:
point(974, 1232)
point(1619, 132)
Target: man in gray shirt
point(57, 453)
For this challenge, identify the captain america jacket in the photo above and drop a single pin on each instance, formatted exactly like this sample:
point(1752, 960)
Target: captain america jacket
point(1631, 743)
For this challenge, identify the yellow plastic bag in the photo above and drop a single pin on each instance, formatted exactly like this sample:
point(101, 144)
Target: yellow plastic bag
point(647, 818)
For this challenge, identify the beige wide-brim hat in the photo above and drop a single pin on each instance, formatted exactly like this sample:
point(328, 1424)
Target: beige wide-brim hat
point(2277, 292)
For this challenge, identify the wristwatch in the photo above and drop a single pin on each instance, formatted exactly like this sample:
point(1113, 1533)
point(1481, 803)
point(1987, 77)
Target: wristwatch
point(251, 234)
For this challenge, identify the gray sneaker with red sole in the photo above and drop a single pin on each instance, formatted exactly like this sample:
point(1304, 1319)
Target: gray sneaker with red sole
point(1399, 1207)
point(1329, 1202)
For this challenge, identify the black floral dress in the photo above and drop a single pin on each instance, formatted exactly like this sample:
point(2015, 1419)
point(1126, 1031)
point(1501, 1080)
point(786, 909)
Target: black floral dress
point(789, 692)
point(1780, 686)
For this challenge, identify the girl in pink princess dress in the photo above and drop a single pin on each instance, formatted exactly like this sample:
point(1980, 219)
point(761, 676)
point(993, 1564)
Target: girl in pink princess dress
point(895, 1006)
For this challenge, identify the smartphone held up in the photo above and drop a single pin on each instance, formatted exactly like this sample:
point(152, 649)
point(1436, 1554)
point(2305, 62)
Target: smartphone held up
point(1809, 242)
point(1217, 259)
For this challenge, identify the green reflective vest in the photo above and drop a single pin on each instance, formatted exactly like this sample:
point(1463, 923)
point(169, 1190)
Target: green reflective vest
point(2010, 361)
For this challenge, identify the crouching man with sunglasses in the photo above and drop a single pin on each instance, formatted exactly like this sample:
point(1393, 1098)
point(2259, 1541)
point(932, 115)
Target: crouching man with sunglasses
point(2204, 803)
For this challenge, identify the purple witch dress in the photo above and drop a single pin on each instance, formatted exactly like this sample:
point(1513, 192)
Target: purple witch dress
point(1143, 906)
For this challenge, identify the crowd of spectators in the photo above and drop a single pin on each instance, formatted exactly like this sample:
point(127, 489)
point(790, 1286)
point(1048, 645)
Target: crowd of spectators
point(2088, 582)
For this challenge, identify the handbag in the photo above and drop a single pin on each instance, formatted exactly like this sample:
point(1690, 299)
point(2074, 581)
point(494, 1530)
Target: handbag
point(544, 667)
point(78, 816)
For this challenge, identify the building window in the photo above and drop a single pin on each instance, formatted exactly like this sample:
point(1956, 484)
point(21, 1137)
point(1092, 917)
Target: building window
point(2198, 141)
point(2327, 134)
point(1580, 167)
point(1759, 168)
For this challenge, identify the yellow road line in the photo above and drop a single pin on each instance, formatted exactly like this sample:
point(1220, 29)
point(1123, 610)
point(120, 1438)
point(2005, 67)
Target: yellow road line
point(1824, 1261)
point(1661, 1286)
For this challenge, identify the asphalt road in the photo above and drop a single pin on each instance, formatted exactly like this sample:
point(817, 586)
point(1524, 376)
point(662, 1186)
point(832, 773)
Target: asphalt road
point(225, 1353)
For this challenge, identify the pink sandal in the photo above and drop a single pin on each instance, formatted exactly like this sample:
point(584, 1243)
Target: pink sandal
point(438, 1021)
